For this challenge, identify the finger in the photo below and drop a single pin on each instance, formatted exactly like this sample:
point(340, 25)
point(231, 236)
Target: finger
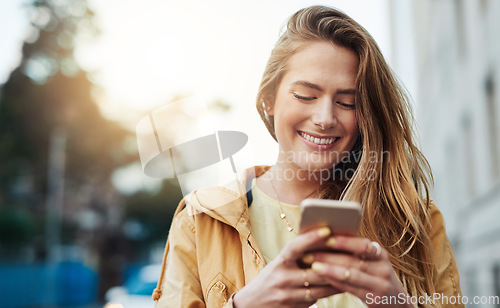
point(356, 291)
point(302, 243)
point(303, 296)
point(357, 246)
point(345, 286)
point(303, 278)
point(348, 261)
point(342, 277)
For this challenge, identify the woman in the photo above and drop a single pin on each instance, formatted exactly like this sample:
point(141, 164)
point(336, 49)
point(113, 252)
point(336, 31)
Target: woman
point(344, 129)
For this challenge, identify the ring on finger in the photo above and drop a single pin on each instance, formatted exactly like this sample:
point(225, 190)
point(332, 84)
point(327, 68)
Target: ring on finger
point(308, 297)
point(347, 275)
point(306, 283)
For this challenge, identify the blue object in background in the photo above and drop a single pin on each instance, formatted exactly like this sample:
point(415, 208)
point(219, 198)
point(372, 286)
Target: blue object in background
point(65, 284)
point(141, 279)
point(25, 285)
point(77, 284)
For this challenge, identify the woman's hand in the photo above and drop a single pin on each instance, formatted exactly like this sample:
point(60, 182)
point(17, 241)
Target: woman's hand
point(360, 267)
point(282, 283)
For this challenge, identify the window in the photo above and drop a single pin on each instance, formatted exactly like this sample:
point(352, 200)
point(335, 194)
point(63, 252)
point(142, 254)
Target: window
point(493, 127)
point(484, 6)
point(496, 279)
point(469, 155)
point(460, 26)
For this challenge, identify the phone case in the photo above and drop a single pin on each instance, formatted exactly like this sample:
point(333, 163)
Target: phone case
point(343, 217)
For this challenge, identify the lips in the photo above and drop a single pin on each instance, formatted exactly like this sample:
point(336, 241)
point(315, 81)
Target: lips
point(319, 140)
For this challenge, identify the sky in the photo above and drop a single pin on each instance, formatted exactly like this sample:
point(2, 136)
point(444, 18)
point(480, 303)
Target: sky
point(151, 51)
point(216, 48)
point(13, 30)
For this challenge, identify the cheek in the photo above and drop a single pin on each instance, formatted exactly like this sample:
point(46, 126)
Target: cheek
point(351, 124)
point(352, 128)
point(288, 116)
point(281, 123)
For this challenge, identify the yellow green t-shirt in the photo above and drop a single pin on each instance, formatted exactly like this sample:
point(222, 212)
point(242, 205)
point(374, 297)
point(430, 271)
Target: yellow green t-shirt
point(272, 234)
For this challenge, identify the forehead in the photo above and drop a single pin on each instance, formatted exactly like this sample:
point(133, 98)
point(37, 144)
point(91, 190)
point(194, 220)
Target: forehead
point(325, 63)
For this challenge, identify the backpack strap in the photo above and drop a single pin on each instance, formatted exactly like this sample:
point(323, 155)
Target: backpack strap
point(248, 187)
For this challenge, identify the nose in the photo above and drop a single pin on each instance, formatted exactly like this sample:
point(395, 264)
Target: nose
point(324, 115)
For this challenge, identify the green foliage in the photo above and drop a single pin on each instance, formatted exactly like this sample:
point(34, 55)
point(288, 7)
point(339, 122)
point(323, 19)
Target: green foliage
point(48, 92)
point(43, 95)
point(17, 227)
point(154, 212)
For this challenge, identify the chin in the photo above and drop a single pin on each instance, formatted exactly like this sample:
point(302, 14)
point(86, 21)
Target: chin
point(316, 167)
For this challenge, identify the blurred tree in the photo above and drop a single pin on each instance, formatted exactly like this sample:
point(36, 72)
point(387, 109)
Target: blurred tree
point(147, 219)
point(16, 227)
point(47, 93)
point(152, 213)
point(48, 96)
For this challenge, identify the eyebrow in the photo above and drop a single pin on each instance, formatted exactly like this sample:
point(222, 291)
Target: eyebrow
point(307, 84)
point(316, 87)
point(347, 91)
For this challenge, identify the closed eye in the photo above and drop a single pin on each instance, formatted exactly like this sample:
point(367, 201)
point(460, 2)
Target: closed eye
point(349, 106)
point(304, 98)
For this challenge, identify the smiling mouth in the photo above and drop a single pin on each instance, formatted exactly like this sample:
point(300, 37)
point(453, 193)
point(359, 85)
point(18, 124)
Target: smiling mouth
point(318, 140)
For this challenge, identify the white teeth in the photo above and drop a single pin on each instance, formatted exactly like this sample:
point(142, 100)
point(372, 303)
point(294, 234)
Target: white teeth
point(318, 140)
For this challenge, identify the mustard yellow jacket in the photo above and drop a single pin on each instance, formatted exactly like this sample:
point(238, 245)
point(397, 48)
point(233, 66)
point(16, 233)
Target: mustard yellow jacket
point(211, 253)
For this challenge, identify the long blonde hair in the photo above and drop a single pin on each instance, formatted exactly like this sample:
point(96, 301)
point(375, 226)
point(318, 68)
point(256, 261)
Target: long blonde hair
point(393, 188)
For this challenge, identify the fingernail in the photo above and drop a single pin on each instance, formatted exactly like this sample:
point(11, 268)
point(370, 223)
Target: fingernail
point(324, 232)
point(308, 258)
point(317, 266)
point(331, 242)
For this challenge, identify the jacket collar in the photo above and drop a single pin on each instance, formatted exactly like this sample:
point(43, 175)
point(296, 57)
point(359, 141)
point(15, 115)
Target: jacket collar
point(227, 204)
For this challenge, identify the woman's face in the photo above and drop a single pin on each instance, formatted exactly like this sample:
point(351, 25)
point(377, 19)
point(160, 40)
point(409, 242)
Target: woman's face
point(314, 111)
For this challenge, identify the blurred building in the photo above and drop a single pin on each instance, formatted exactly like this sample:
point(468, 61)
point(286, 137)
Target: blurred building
point(447, 52)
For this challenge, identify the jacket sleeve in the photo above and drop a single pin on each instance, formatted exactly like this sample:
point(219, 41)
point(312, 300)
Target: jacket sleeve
point(447, 280)
point(180, 283)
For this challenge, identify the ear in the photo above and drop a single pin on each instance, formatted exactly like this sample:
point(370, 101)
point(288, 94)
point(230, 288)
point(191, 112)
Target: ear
point(269, 106)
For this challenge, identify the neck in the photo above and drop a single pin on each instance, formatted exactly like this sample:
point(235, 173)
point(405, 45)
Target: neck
point(289, 183)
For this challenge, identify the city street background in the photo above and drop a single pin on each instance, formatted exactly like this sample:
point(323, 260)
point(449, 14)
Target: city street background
point(81, 225)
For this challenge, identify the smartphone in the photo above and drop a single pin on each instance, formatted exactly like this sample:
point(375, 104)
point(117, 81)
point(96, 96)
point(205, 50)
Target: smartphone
point(343, 217)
